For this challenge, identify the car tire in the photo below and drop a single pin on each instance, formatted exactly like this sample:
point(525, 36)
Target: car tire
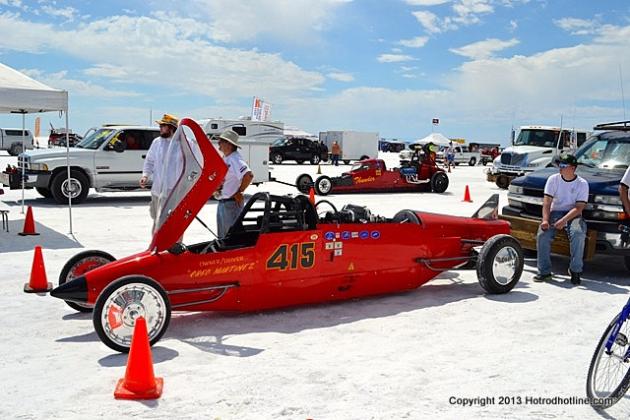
point(364, 157)
point(304, 183)
point(105, 313)
point(276, 158)
point(323, 185)
point(315, 159)
point(503, 182)
point(484, 162)
point(15, 149)
point(78, 266)
point(472, 161)
point(346, 162)
point(500, 264)
point(44, 192)
point(59, 183)
point(299, 161)
point(439, 182)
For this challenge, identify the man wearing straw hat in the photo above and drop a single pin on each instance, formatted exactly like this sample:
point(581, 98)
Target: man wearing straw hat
point(237, 179)
point(153, 163)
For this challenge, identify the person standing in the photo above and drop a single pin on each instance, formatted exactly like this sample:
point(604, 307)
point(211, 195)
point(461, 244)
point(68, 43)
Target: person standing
point(624, 187)
point(237, 179)
point(154, 167)
point(566, 195)
point(335, 153)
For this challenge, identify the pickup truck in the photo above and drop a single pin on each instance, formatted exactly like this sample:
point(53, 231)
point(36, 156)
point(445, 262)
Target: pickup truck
point(602, 160)
point(462, 155)
point(109, 159)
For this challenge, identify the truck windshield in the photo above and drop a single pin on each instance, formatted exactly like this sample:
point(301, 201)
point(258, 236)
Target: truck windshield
point(95, 139)
point(540, 138)
point(605, 154)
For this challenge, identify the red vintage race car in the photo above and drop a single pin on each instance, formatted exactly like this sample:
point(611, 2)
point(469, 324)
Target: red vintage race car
point(280, 252)
point(420, 173)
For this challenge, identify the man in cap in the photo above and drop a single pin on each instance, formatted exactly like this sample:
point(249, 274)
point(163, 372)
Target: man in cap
point(566, 195)
point(154, 166)
point(237, 179)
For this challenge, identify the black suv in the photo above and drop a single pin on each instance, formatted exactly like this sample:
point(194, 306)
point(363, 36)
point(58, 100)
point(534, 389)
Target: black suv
point(299, 149)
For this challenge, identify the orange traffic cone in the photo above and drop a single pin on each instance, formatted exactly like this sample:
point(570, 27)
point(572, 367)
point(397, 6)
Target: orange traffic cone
point(29, 224)
point(311, 195)
point(319, 169)
point(38, 282)
point(139, 382)
point(467, 195)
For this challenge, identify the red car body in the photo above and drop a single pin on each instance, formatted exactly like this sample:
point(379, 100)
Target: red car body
point(279, 253)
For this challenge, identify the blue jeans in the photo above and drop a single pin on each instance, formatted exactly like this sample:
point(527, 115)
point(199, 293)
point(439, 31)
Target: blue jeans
point(227, 213)
point(576, 231)
point(334, 160)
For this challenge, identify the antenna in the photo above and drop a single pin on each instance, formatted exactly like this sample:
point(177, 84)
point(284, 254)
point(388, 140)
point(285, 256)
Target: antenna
point(623, 99)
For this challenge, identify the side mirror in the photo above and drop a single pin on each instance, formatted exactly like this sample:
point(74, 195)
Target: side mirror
point(118, 146)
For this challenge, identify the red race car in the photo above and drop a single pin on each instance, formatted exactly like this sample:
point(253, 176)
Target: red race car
point(421, 173)
point(280, 252)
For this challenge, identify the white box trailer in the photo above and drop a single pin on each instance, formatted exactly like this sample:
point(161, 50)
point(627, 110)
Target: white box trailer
point(355, 145)
point(255, 137)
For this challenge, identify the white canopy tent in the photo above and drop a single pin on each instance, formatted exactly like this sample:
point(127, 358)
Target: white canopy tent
point(435, 138)
point(19, 94)
point(291, 131)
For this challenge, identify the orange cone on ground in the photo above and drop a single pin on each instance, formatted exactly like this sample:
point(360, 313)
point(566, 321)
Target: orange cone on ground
point(467, 195)
point(311, 195)
point(38, 282)
point(139, 382)
point(29, 224)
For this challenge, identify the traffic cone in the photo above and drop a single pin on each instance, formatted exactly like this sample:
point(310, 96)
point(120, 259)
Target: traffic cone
point(311, 195)
point(38, 282)
point(139, 382)
point(467, 198)
point(319, 169)
point(29, 224)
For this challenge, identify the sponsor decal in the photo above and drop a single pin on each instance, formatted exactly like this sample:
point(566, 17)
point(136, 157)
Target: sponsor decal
point(375, 234)
point(338, 252)
point(358, 180)
point(355, 235)
point(364, 234)
point(314, 237)
point(329, 236)
point(330, 245)
point(338, 245)
point(345, 235)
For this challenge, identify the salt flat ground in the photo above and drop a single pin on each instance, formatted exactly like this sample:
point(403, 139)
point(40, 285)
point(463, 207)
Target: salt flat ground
point(398, 356)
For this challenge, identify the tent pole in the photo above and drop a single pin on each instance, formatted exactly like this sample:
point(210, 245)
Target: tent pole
point(23, 159)
point(68, 168)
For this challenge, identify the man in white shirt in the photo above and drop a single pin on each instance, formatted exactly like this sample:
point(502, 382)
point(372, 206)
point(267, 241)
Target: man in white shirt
point(624, 186)
point(154, 162)
point(237, 179)
point(566, 195)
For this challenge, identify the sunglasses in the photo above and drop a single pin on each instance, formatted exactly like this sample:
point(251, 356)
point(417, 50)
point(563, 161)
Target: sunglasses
point(563, 165)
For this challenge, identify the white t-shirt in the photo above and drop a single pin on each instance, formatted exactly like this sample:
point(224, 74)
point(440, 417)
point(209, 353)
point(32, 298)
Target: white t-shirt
point(626, 180)
point(154, 165)
point(237, 168)
point(566, 193)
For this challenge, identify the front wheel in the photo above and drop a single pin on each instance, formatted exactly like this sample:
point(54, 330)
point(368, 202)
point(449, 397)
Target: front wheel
point(323, 185)
point(500, 264)
point(315, 159)
point(125, 300)
point(439, 182)
point(304, 183)
point(78, 266)
point(76, 187)
point(608, 376)
point(276, 158)
point(472, 161)
point(503, 182)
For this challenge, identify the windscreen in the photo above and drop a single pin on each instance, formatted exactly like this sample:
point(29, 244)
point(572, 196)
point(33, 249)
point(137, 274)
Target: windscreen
point(605, 153)
point(96, 138)
point(541, 138)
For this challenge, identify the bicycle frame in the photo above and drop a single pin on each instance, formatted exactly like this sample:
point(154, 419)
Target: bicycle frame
point(623, 316)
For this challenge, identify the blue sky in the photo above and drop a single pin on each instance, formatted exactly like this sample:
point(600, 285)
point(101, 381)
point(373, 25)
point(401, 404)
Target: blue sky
point(481, 66)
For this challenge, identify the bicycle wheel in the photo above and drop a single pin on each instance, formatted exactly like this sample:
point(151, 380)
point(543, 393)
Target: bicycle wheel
point(609, 374)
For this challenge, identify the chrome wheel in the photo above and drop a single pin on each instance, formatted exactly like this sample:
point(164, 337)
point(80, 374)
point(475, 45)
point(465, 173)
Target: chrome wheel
point(504, 265)
point(71, 189)
point(325, 186)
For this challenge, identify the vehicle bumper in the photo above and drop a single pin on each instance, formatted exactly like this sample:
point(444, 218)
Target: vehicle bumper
point(32, 179)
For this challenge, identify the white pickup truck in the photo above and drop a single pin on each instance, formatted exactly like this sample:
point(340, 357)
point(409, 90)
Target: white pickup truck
point(462, 155)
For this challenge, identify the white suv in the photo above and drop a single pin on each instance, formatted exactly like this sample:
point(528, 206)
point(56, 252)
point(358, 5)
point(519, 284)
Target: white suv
point(109, 159)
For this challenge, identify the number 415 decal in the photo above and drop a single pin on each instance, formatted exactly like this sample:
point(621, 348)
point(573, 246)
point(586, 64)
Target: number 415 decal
point(293, 256)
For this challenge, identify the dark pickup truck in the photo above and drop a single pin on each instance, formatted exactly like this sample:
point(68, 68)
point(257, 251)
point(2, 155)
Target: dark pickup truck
point(603, 159)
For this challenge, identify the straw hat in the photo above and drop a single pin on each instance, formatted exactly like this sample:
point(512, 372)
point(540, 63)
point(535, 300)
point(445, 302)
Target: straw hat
point(168, 119)
point(231, 137)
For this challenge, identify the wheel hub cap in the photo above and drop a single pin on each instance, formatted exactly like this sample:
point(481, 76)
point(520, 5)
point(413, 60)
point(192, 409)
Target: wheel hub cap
point(504, 265)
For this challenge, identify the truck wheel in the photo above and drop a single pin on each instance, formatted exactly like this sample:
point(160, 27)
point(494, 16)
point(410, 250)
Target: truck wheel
point(44, 192)
point(439, 182)
point(304, 183)
point(323, 185)
point(472, 161)
point(315, 159)
point(78, 187)
point(78, 266)
point(503, 182)
point(364, 157)
point(15, 149)
point(276, 158)
point(484, 162)
point(346, 162)
point(122, 302)
point(500, 264)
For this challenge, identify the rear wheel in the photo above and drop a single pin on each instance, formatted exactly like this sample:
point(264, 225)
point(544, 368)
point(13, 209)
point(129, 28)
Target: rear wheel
point(277, 158)
point(304, 183)
point(125, 300)
point(472, 161)
point(78, 266)
point(323, 185)
point(503, 182)
point(15, 149)
point(439, 182)
point(500, 264)
point(315, 159)
point(347, 162)
point(44, 192)
point(77, 187)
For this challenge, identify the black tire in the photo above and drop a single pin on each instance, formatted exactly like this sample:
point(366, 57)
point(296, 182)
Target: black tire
point(315, 159)
point(102, 304)
point(323, 185)
point(472, 161)
point(621, 389)
point(299, 162)
point(626, 261)
point(493, 281)
point(98, 258)
point(439, 182)
point(484, 162)
point(364, 157)
point(15, 149)
point(304, 183)
point(346, 162)
point(77, 177)
point(277, 158)
point(503, 182)
point(44, 192)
